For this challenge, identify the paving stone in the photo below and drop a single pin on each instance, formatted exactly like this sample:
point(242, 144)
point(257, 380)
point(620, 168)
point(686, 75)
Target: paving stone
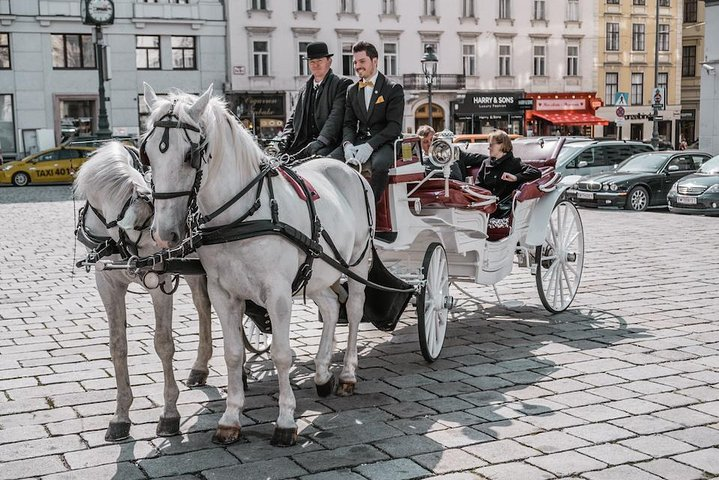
point(336, 474)
point(500, 451)
point(698, 436)
point(353, 435)
point(613, 454)
point(275, 469)
point(706, 460)
point(450, 460)
point(399, 469)
point(17, 434)
point(622, 472)
point(458, 437)
point(339, 458)
point(40, 447)
point(513, 471)
point(408, 446)
point(645, 424)
point(549, 442)
point(167, 465)
point(566, 463)
point(671, 470)
point(33, 467)
point(657, 445)
point(110, 454)
point(124, 471)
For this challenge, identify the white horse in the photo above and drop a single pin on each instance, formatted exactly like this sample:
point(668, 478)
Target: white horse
point(190, 137)
point(119, 206)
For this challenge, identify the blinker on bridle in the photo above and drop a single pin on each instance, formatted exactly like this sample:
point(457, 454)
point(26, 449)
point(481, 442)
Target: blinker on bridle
point(193, 156)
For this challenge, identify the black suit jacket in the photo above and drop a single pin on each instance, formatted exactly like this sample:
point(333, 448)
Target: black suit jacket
point(329, 113)
point(382, 123)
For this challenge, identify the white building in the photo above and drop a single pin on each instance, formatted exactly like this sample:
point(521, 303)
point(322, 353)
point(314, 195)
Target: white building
point(709, 96)
point(491, 52)
point(48, 75)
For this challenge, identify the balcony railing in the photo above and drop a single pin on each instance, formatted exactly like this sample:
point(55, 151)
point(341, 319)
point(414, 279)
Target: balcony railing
point(443, 81)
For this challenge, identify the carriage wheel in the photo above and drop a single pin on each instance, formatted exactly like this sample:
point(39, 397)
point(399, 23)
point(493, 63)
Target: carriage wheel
point(254, 339)
point(433, 302)
point(560, 259)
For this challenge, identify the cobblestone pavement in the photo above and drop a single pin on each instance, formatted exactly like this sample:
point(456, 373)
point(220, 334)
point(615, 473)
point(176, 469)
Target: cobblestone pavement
point(622, 386)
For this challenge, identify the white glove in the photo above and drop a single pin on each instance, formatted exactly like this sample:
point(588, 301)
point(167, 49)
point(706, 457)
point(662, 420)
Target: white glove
point(363, 152)
point(350, 151)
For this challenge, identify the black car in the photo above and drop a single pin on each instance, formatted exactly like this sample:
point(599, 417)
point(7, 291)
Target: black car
point(697, 193)
point(641, 181)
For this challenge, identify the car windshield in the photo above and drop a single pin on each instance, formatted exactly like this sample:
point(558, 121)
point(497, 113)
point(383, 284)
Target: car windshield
point(643, 162)
point(568, 151)
point(710, 166)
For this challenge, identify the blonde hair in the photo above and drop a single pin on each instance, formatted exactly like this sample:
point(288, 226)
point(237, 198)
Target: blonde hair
point(425, 130)
point(500, 137)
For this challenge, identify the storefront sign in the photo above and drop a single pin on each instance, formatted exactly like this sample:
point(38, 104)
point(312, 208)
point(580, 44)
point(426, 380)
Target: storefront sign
point(561, 104)
point(258, 104)
point(490, 102)
point(639, 116)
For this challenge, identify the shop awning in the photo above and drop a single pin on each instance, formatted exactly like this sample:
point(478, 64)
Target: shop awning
point(571, 118)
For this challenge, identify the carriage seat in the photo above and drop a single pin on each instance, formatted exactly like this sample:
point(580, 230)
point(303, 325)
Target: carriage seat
point(432, 194)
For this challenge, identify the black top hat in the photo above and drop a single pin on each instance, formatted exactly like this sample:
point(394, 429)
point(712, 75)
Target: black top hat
point(317, 50)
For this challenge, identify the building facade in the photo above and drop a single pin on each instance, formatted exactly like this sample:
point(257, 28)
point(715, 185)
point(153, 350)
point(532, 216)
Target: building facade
point(48, 71)
point(486, 49)
point(692, 55)
point(629, 35)
point(709, 101)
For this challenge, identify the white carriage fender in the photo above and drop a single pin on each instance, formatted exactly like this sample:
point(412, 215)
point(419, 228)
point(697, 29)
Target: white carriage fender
point(539, 220)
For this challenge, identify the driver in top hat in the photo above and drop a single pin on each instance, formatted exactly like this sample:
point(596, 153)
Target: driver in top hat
point(315, 126)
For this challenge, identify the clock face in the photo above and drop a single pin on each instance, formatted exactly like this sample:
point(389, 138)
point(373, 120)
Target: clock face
point(100, 11)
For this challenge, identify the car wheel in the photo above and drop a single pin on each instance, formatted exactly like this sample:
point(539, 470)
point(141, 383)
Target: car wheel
point(638, 199)
point(20, 179)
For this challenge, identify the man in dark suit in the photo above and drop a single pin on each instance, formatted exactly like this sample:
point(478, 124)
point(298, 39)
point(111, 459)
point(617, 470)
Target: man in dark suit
point(315, 126)
point(373, 118)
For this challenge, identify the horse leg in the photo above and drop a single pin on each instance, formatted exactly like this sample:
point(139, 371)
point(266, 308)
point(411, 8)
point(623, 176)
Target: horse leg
point(201, 299)
point(230, 311)
point(112, 294)
point(355, 310)
point(280, 310)
point(169, 423)
point(329, 308)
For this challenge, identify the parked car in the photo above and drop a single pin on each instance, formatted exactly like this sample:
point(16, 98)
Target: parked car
point(697, 193)
point(641, 181)
point(55, 165)
point(596, 156)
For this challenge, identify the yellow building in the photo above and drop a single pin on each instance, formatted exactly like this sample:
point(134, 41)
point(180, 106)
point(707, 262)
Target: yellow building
point(692, 55)
point(627, 37)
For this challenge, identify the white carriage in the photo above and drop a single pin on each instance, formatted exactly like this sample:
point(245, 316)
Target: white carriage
point(433, 230)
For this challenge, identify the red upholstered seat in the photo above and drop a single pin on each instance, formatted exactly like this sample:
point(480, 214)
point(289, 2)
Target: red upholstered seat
point(432, 194)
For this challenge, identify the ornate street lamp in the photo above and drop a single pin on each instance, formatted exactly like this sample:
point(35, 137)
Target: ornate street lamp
point(655, 109)
point(429, 68)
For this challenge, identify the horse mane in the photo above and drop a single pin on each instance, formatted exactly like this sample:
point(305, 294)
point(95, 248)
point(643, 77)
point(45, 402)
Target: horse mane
point(223, 132)
point(107, 174)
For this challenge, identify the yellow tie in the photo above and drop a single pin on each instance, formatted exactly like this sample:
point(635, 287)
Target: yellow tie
point(368, 83)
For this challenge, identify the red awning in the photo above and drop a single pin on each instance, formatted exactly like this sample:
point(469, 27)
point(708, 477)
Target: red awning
point(571, 118)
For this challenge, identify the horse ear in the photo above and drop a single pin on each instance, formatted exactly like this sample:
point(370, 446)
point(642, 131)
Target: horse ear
point(150, 96)
point(196, 110)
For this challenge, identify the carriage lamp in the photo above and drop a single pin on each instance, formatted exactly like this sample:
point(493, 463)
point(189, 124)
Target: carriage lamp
point(440, 153)
point(429, 68)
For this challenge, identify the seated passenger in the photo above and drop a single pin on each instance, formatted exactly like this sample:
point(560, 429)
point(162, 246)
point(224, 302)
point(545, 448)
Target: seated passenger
point(457, 170)
point(501, 173)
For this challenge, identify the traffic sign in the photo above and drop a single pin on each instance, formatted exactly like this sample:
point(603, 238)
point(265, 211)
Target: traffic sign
point(620, 112)
point(658, 100)
point(621, 99)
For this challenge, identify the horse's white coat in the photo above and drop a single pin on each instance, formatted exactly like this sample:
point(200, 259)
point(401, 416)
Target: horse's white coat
point(107, 180)
point(260, 269)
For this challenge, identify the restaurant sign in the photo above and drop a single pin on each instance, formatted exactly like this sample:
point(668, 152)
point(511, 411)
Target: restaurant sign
point(561, 104)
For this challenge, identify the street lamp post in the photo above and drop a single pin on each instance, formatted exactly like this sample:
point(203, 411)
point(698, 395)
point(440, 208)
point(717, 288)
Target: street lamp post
point(655, 108)
point(429, 68)
point(103, 124)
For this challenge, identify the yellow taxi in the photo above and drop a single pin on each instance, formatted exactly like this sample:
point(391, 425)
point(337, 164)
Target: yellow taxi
point(55, 165)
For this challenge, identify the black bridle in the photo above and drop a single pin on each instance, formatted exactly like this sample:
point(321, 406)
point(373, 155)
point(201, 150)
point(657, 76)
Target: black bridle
point(194, 156)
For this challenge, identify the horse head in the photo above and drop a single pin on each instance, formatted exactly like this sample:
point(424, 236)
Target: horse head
point(174, 146)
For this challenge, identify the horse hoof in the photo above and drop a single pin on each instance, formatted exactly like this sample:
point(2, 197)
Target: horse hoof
point(326, 389)
point(197, 378)
point(345, 389)
point(226, 435)
point(284, 437)
point(168, 427)
point(117, 431)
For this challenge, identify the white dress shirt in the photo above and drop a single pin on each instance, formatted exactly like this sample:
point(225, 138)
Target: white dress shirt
point(368, 91)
